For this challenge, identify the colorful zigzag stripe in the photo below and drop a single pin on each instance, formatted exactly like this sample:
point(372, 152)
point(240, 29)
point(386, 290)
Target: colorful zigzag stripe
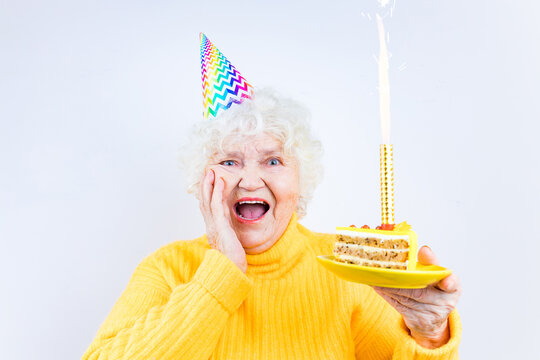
point(223, 85)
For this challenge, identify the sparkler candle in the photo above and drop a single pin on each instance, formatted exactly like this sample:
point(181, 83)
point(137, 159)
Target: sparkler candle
point(388, 246)
point(386, 150)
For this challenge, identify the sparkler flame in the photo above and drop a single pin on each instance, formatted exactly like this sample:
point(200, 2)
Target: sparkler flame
point(384, 84)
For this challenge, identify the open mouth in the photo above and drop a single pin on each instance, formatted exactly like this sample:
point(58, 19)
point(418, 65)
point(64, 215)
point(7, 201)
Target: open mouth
point(250, 210)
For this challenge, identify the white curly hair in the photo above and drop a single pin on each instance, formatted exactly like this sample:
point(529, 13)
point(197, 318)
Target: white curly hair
point(265, 112)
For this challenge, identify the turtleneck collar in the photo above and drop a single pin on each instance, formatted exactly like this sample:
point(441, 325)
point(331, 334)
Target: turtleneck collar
point(282, 256)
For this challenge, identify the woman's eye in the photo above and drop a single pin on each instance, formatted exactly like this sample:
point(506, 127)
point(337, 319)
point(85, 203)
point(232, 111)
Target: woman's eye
point(274, 162)
point(228, 163)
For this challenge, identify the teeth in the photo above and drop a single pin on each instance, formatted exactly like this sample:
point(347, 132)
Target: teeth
point(251, 202)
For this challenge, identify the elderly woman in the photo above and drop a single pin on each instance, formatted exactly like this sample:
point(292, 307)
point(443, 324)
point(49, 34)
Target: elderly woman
point(251, 288)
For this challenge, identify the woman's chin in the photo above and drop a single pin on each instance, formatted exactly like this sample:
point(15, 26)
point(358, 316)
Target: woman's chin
point(251, 239)
point(254, 241)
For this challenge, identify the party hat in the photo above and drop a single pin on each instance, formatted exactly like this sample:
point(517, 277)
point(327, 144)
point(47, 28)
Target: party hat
point(223, 85)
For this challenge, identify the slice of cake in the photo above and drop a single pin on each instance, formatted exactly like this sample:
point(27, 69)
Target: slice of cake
point(389, 249)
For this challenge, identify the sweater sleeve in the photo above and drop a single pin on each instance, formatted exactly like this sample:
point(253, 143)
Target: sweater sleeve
point(379, 332)
point(152, 321)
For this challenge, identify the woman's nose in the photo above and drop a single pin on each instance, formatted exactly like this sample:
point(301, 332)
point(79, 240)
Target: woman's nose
point(251, 180)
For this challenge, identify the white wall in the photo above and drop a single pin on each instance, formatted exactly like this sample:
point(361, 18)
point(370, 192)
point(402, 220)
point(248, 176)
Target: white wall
point(97, 97)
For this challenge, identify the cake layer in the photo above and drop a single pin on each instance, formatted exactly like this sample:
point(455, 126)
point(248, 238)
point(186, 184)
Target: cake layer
point(364, 262)
point(390, 249)
point(374, 240)
point(371, 253)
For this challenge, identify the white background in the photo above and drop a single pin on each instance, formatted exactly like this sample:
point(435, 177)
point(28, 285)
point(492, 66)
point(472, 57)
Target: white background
point(98, 96)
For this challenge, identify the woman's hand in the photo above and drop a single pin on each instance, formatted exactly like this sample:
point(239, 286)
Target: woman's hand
point(426, 310)
point(219, 232)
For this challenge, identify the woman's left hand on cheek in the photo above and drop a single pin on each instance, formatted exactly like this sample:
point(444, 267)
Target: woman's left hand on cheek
point(426, 310)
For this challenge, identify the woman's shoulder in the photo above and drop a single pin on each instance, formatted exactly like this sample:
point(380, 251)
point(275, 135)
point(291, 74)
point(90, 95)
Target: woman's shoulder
point(320, 241)
point(183, 246)
point(178, 260)
point(181, 249)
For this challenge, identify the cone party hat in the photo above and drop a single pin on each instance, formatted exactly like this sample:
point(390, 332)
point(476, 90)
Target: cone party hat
point(223, 85)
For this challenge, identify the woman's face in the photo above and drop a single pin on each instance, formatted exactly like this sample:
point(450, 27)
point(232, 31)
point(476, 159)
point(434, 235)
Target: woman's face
point(261, 189)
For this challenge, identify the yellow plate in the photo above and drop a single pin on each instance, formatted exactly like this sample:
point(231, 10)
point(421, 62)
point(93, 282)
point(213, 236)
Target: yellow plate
point(420, 277)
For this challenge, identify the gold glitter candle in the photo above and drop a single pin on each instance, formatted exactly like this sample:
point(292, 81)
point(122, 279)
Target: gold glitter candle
point(387, 184)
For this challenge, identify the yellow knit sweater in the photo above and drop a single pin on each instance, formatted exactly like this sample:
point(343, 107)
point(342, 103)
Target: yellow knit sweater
point(187, 301)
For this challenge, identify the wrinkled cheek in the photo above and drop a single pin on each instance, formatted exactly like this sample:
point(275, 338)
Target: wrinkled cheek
point(230, 178)
point(289, 199)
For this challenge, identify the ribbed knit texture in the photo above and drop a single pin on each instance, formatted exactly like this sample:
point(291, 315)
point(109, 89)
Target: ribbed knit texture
point(187, 301)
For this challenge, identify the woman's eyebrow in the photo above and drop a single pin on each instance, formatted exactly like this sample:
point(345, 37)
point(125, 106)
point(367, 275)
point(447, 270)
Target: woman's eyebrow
point(271, 152)
point(235, 154)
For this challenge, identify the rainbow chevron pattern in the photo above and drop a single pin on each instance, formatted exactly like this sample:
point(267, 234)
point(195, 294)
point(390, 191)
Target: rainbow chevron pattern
point(223, 85)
